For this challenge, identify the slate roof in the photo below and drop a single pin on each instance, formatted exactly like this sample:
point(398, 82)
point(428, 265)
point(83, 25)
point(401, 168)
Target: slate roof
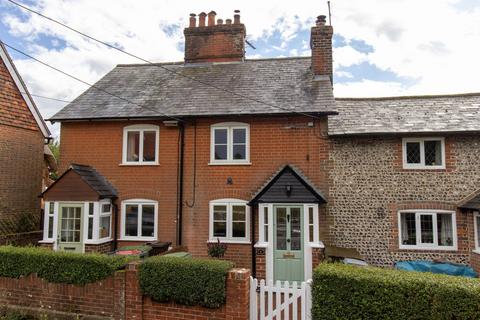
point(286, 82)
point(95, 180)
point(418, 114)
point(471, 202)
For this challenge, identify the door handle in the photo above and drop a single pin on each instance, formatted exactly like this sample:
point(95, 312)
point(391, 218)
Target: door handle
point(288, 240)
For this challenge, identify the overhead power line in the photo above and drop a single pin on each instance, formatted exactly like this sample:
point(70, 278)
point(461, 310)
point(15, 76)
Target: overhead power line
point(82, 81)
point(48, 98)
point(205, 83)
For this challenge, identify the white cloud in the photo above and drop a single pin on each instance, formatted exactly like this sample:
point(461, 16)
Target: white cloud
point(430, 40)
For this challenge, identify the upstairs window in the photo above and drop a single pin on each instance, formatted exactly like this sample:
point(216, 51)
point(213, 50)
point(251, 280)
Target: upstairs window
point(230, 143)
point(425, 229)
point(140, 144)
point(424, 153)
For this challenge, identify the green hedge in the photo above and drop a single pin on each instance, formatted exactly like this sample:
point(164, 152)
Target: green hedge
point(349, 292)
point(184, 280)
point(58, 267)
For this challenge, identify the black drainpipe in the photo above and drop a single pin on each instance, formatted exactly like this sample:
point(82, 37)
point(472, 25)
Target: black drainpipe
point(115, 214)
point(254, 260)
point(180, 183)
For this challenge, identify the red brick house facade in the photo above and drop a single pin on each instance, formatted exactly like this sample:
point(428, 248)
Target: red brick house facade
point(22, 138)
point(259, 155)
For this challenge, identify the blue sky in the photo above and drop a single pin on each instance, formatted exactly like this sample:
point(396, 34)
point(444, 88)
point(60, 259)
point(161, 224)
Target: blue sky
point(381, 47)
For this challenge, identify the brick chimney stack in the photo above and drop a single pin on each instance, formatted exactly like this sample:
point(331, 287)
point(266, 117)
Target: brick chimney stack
point(214, 41)
point(321, 45)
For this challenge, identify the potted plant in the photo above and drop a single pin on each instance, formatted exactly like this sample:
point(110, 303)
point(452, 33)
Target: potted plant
point(216, 249)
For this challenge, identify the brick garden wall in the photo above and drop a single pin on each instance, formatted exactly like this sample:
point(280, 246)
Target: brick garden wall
point(368, 186)
point(118, 297)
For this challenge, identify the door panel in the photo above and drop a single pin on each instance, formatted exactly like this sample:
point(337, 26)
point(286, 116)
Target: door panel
point(70, 233)
point(288, 243)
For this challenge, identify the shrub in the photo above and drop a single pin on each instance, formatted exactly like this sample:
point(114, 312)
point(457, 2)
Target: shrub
point(185, 281)
point(58, 267)
point(351, 292)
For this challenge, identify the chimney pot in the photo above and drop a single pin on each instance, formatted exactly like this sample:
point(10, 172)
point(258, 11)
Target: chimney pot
point(236, 17)
point(228, 21)
point(201, 19)
point(211, 18)
point(219, 21)
point(193, 20)
point(321, 20)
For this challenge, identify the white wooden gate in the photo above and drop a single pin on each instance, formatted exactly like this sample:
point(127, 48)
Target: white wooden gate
point(280, 301)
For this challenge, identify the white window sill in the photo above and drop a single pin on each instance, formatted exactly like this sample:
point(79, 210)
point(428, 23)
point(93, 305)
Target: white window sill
point(137, 239)
point(47, 241)
point(261, 245)
point(436, 248)
point(318, 245)
point(477, 250)
point(421, 167)
point(227, 241)
point(101, 241)
point(230, 163)
point(138, 164)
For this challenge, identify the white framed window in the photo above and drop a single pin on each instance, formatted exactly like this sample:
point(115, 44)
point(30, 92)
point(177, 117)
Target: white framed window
point(476, 222)
point(423, 153)
point(49, 222)
point(427, 229)
point(263, 227)
point(230, 143)
point(91, 220)
point(313, 224)
point(139, 219)
point(105, 220)
point(229, 220)
point(140, 145)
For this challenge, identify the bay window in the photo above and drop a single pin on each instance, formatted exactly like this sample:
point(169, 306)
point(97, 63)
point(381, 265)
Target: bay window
point(140, 144)
point(229, 220)
point(230, 143)
point(427, 229)
point(139, 219)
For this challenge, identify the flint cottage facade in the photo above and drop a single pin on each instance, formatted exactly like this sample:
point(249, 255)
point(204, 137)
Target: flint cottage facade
point(259, 155)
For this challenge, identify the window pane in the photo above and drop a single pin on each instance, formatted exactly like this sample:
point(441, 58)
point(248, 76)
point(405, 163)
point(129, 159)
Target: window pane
point(148, 221)
point(408, 229)
point(295, 229)
point(310, 215)
point(238, 229)
point(445, 229)
point(131, 220)
point(90, 229)
point(413, 152)
point(281, 230)
point(90, 209)
point(238, 213)
point(477, 220)
point(51, 208)
point(426, 228)
point(133, 145)
point(50, 226)
point(239, 135)
point(221, 152)
point(149, 145)
point(220, 213)
point(221, 136)
point(265, 223)
point(106, 208)
point(239, 152)
point(433, 153)
point(104, 231)
point(219, 229)
point(310, 236)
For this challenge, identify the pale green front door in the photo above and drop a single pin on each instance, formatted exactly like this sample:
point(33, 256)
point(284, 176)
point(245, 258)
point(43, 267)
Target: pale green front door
point(288, 261)
point(70, 231)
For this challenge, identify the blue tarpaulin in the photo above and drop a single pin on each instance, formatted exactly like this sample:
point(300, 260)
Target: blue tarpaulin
point(434, 267)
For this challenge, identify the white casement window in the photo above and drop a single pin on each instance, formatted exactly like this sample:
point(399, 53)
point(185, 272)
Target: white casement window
point(423, 153)
point(313, 224)
point(427, 229)
point(139, 219)
point(476, 217)
point(140, 145)
point(49, 222)
point(105, 221)
point(263, 219)
point(229, 220)
point(230, 143)
point(90, 220)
